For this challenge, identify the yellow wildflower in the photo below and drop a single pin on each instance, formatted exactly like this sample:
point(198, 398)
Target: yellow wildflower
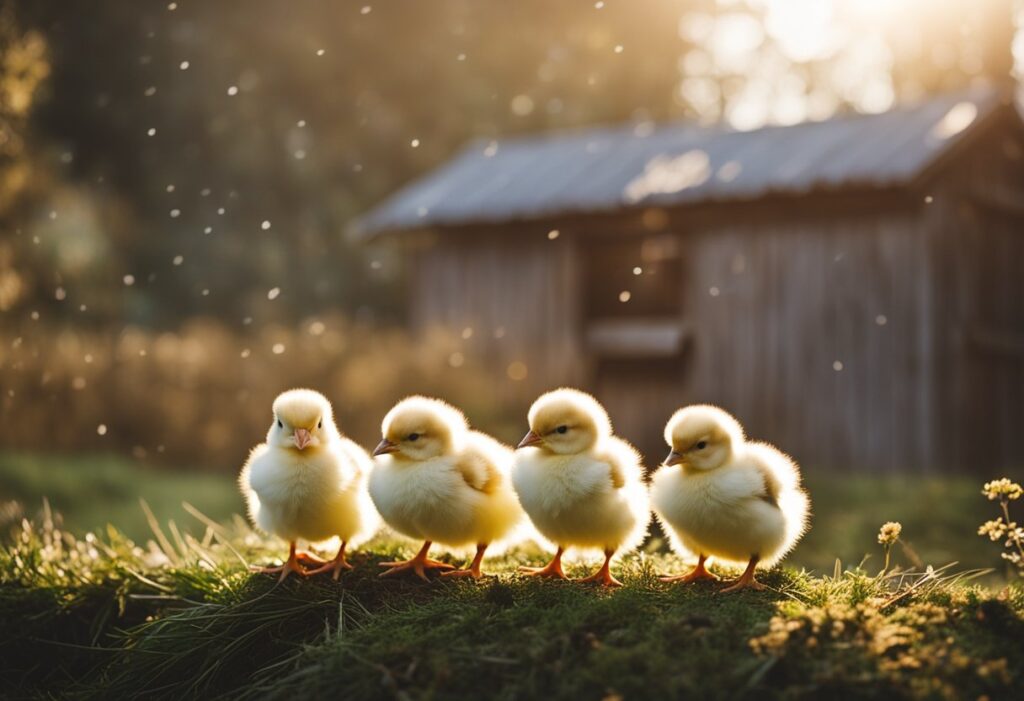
point(995, 529)
point(1002, 489)
point(889, 533)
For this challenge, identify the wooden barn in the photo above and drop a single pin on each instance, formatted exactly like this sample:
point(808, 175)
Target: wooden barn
point(851, 289)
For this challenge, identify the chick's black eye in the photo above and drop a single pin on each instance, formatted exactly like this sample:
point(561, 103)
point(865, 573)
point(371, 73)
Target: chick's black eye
point(320, 424)
point(701, 445)
point(562, 429)
point(414, 436)
point(279, 424)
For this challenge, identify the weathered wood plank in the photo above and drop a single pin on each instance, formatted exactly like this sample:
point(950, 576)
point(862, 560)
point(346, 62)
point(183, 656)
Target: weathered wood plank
point(775, 293)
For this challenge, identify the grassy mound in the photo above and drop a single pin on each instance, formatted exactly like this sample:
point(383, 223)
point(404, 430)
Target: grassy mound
point(104, 617)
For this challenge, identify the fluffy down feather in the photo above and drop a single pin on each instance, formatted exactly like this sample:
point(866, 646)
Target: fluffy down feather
point(581, 486)
point(314, 493)
point(727, 497)
point(443, 482)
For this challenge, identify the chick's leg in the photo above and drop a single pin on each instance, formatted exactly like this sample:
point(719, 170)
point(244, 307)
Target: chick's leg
point(419, 564)
point(310, 559)
point(336, 565)
point(291, 565)
point(474, 568)
point(553, 569)
point(698, 572)
point(746, 580)
point(604, 575)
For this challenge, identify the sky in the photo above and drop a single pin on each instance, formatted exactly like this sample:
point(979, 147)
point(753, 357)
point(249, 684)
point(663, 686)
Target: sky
point(860, 40)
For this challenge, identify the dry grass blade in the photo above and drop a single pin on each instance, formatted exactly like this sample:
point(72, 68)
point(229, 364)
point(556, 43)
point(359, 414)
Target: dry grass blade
point(215, 528)
point(158, 533)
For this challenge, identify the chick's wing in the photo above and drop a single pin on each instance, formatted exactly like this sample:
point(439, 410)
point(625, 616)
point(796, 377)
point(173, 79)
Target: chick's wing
point(358, 461)
point(767, 461)
point(623, 462)
point(478, 472)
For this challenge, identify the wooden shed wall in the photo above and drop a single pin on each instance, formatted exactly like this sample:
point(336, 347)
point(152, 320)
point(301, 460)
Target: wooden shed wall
point(519, 300)
point(817, 337)
point(976, 223)
point(919, 306)
point(793, 296)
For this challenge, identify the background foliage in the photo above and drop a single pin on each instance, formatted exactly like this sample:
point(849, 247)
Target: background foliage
point(177, 177)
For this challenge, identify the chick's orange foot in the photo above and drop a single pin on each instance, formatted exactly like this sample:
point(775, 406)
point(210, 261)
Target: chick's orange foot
point(552, 570)
point(745, 580)
point(419, 564)
point(474, 568)
point(741, 584)
point(284, 570)
point(549, 571)
point(604, 575)
point(458, 574)
point(416, 565)
point(309, 559)
point(335, 566)
point(696, 574)
point(689, 577)
point(292, 564)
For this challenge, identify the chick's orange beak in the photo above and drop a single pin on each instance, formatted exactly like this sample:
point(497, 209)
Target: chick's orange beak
point(529, 439)
point(385, 446)
point(674, 458)
point(302, 438)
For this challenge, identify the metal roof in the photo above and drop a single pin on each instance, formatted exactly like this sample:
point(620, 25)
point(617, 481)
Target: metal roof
point(605, 169)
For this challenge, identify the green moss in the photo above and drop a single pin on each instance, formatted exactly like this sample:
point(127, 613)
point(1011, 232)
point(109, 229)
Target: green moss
point(109, 618)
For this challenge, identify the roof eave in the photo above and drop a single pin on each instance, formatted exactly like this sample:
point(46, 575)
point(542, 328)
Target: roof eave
point(367, 228)
point(896, 192)
point(1004, 110)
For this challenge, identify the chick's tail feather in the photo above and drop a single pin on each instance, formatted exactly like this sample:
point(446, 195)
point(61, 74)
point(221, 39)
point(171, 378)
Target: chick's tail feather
point(796, 505)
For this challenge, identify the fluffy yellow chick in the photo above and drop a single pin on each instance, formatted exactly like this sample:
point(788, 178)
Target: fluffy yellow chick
point(719, 495)
point(308, 482)
point(435, 479)
point(581, 486)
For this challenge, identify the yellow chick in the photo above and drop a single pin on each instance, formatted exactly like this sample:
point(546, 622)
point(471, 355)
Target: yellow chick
point(308, 482)
point(435, 479)
point(719, 495)
point(581, 486)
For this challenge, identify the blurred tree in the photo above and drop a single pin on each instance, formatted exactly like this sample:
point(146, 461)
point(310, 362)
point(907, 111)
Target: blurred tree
point(216, 151)
point(941, 50)
point(783, 61)
point(164, 160)
point(245, 136)
point(23, 66)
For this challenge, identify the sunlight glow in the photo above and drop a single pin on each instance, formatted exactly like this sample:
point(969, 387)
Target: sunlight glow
point(804, 28)
point(873, 8)
point(853, 36)
point(667, 174)
point(959, 117)
point(809, 30)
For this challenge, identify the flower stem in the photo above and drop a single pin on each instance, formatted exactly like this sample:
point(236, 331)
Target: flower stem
point(1014, 538)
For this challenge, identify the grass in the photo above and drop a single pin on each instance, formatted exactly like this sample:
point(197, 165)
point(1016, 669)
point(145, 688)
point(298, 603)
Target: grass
point(940, 515)
point(92, 491)
point(177, 614)
point(103, 617)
